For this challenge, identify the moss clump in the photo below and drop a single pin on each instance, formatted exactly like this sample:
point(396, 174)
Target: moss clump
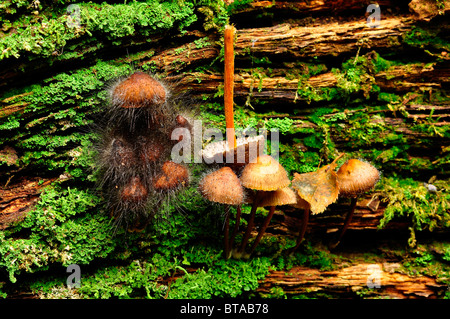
point(59, 231)
point(112, 21)
point(425, 209)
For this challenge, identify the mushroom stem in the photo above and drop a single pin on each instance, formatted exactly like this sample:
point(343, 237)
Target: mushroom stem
point(236, 226)
point(347, 221)
point(250, 223)
point(302, 231)
point(229, 84)
point(226, 232)
point(263, 228)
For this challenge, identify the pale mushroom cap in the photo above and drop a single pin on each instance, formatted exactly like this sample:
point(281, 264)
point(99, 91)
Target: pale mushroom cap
point(355, 177)
point(247, 150)
point(283, 196)
point(265, 175)
point(222, 186)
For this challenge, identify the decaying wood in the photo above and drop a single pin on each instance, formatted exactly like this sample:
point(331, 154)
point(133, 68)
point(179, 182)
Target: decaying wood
point(17, 198)
point(315, 6)
point(397, 80)
point(319, 39)
point(378, 279)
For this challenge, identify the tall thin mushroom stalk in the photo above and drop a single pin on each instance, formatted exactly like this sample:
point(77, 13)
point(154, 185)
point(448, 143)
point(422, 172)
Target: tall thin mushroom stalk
point(304, 205)
point(229, 85)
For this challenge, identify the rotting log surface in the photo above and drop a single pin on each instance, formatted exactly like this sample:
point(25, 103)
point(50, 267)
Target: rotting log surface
point(377, 279)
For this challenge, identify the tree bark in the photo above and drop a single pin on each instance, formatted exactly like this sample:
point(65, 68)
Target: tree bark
point(374, 280)
point(17, 198)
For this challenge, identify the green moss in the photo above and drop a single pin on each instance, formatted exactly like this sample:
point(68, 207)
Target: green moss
point(60, 233)
point(411, 199)
point(426, 38)
point(114, 22)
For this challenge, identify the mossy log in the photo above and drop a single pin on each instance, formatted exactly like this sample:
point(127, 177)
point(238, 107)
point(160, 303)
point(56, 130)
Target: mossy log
point(372, 280)
point(314, 69)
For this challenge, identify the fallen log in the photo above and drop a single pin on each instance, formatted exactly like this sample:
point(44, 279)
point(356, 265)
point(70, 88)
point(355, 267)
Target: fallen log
point(375, 280)
point(17, 198)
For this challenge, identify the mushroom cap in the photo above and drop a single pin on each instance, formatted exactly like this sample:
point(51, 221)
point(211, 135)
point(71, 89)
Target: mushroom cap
point(134, 191)
point(355, 177)
point(138, 90)
point(282, 196)
point(120, 153)
point(247, 150)
point(173, 176)
point(222, 186)
point(151, 149)
point(267, 174)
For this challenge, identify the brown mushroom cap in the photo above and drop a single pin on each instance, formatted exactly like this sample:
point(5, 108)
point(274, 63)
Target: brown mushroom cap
point(134, 191)
point(151, 148)
point(121, 153)
point(173, 176)
point(265, 175)
point(355, 177)
point(283, 196)
point(138, 90)
point(222, 186)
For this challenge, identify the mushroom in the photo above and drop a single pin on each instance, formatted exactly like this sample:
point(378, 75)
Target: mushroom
point(246, 151)
point(280, 197)
point(138, 90)
point(172, 176)
point(267, 174)
point(224, 187)
point(315, 190)
point(354, 177)
point(138, 100)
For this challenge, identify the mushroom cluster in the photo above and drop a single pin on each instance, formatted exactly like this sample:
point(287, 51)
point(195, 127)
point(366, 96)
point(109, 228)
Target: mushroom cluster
point(134, 151)
point(248, 175)
point(317, 190)
point(260, 180)
point(263, 183)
